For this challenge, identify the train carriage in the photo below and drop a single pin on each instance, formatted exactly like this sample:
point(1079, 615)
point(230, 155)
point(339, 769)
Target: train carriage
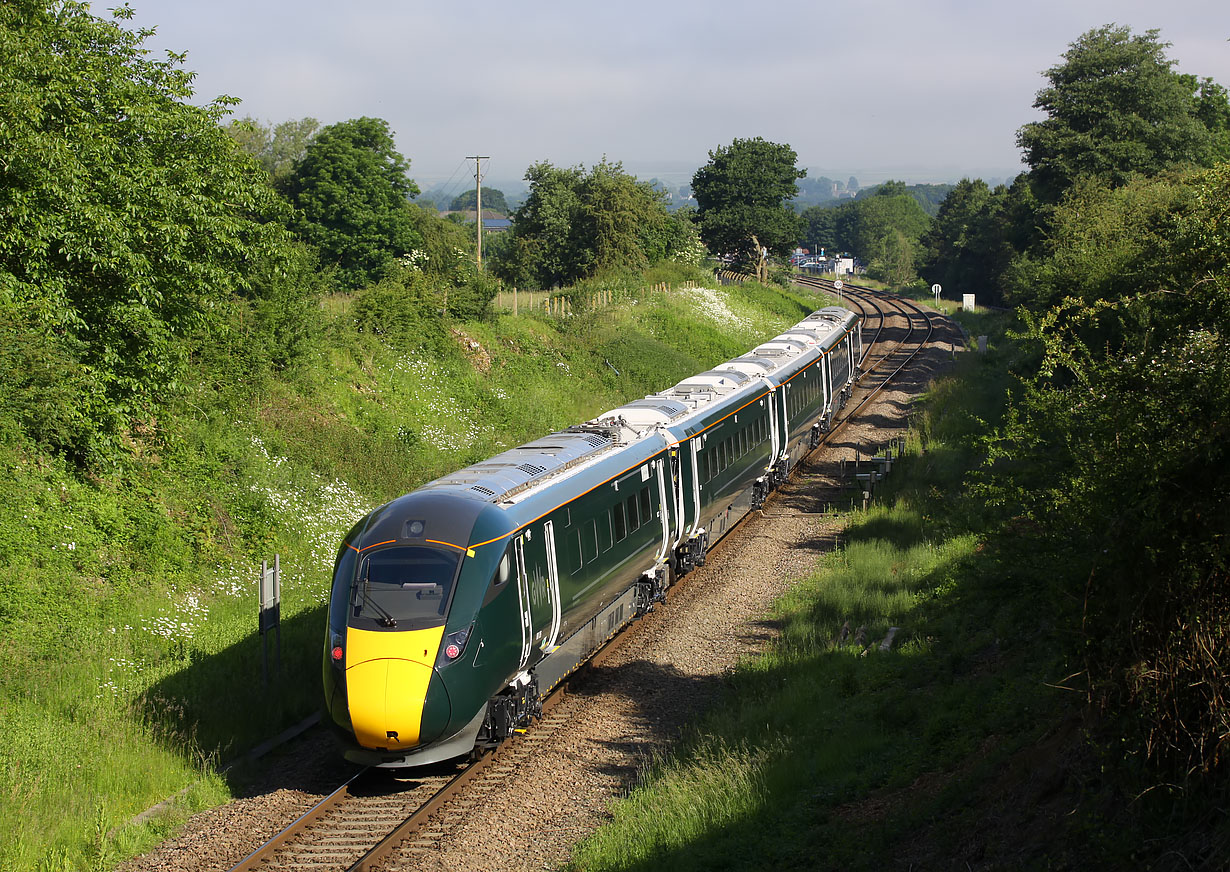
point(454, 608)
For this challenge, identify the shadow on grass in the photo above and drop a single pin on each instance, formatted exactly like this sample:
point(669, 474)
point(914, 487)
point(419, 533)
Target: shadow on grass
point(220, 706)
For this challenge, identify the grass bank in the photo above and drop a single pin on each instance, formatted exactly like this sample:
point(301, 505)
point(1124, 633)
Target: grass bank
point(127, 599)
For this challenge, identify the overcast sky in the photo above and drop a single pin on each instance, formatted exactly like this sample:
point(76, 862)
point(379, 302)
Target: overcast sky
point(923, 90)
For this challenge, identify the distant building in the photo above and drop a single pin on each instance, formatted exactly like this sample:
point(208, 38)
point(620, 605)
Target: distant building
point(839, 266)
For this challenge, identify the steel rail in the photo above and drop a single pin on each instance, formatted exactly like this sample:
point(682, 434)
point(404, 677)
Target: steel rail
point(265, 852)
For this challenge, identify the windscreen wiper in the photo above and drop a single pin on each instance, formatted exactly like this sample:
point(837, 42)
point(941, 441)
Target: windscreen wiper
point(385, 619)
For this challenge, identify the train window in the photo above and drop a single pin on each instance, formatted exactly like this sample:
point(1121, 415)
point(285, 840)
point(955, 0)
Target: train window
point(503, 572)
point(634, 515)
point(617, 515)
point(406, 586)
point(604, 531)
point(343, 581)
point(589, 541)
point(573, 555)
point(646, 506)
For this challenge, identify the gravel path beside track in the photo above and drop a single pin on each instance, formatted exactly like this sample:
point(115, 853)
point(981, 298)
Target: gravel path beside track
point(667, 673)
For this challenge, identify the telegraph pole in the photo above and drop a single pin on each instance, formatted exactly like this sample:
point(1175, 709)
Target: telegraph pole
point(478, 204)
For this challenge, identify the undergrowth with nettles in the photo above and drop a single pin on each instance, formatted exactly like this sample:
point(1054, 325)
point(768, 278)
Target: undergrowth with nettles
point(824, 755)
point(128, 597)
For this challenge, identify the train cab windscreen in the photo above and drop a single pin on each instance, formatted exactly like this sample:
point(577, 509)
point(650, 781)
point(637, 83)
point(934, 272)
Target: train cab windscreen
point(405, 586)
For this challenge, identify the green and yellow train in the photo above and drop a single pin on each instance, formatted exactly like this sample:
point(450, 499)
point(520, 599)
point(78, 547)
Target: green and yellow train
point(455, 607)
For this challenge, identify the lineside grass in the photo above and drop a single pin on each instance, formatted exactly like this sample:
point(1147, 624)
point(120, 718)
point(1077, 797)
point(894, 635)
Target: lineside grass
point(826, 753)
point(128, 601)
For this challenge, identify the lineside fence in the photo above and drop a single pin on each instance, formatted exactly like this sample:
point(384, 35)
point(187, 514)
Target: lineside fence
point(730, 277)
point(562, 304)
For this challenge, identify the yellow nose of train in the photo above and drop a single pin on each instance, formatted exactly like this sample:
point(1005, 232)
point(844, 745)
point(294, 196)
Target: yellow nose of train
point(387, 678)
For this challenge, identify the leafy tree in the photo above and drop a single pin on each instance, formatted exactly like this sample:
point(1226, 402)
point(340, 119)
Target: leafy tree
point(894, 261)
point(493, 200)
point(971, 241)
point(625, 219)
point(446, 248)
point(276, 149)
point(1115, 107)
point(1117, 240)
point(867, 227)
point(929, 197)
point(741, 195)
point(574, 224)
point(545, 252)
point(130, 218)
point(350, 192)
point(820, 231)
point(889, 188)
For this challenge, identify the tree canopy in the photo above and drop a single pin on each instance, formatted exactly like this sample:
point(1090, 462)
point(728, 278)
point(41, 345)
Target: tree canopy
point(967, 247)
point(574, 224)
point(130, 216)
point(277, 148)
point(741, 197)
point(1115, 108)
point(350, 191)
point(493, 199)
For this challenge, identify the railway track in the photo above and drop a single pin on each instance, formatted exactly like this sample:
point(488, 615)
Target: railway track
point(377, 820)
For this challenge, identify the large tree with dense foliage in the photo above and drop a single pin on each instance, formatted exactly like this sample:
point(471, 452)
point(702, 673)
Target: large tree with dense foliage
point(493, 201)
point(574, 224)
point(350, 191)
point(973, 239)
point(865, 226)
point(741, 198)
point(130, 217)
point(820, 229)
point(1116, 108)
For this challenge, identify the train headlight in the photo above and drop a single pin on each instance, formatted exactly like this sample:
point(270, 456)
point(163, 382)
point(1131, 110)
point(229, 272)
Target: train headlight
point(336, 651)
point(454, 645)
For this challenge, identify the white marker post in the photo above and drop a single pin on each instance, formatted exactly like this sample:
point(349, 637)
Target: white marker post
point(837, 286)
point(935, 289)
